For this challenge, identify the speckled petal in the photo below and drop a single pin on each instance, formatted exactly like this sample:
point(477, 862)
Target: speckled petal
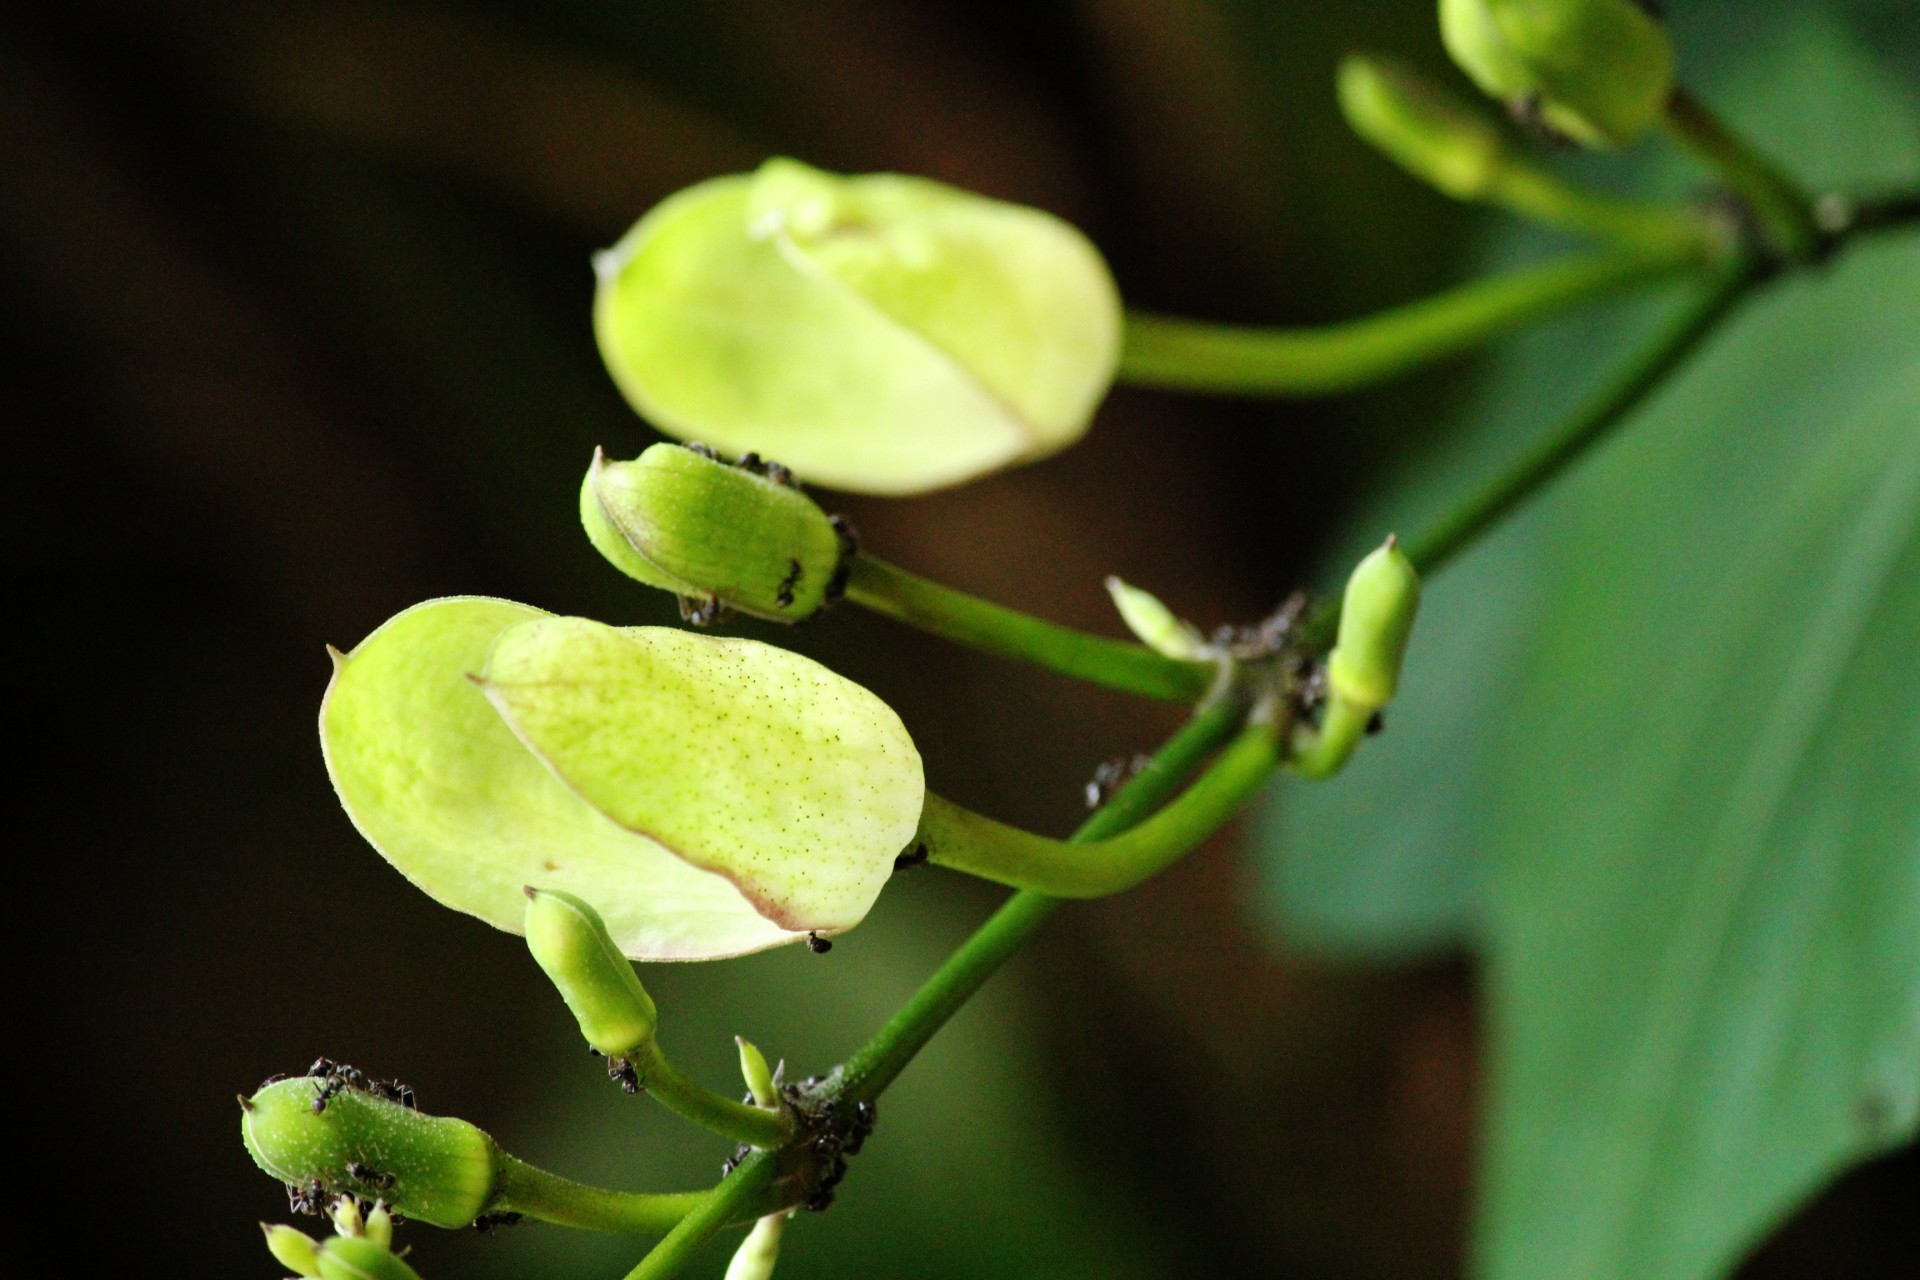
point(747, 760)
point(439, 784)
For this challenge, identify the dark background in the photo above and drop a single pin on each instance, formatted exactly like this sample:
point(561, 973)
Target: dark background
point(297, 335)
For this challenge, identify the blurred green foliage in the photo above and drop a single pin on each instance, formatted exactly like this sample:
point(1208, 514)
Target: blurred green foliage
point(1680, 814)
point(298, 304)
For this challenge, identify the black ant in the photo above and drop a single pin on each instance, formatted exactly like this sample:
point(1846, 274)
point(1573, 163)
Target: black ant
point(914, 857)
point(373, 1178)
point(307, 1197)
point(787, 584)
point(487, 1223)
point(701, 611)
point(818, 945)
point(620, 1070)
point(849, 548)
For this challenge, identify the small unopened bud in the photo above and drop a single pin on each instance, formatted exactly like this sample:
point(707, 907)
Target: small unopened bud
point(570, 942)
point(1597, 71)
point(354, 1143)
point(379, 1225)
point(1420, 126)
point(293, 1249)
point(358, 1258)
point(757, 1254)
point(1157, 626)
point(753, 1066)
point(691, 524)
point(346, 1216)
point(1376, 617)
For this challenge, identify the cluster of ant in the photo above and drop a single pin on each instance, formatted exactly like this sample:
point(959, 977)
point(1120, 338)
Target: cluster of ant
point(315, 1196)
point(833, 1132)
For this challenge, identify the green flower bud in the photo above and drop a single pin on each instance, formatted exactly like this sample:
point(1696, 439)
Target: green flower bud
point(379, 1225)
point(1422, 128)
point(1156, 625)
point(1376, 618)
point(695, 526)
point(709, 796)
point(358, 1258)
point(570, 941)
point(1600, 71)
point(882, 334)
point(346, 1216)
point(753, 1067)
point(354, 1143)
point(760, 1251)
point(293, 1249)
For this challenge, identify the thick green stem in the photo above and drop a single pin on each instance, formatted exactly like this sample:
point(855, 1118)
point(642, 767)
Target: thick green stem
point(868, 1072)
point(1117, 664)
point(1189, 355)
point(687, 1097)
point(737, 1198)
point(1560, 449)
point(521, 1188)
point(1543, 197)
point(962, 840)
point(1783, 206)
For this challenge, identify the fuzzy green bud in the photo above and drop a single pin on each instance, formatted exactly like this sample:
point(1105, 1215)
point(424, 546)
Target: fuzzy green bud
point(359, 1258)
point(688, 523)
point(293, 1249)
point(351, 1142)
point(1599, 71)
point(1157, 626)
point(1376, 618)
point(1422, 128)
point(570, 942)
point(753, 1068)
point(881, 333)
point(760, 1251)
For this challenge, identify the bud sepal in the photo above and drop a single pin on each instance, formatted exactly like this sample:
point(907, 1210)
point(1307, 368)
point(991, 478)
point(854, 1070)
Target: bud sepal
point(738, 536)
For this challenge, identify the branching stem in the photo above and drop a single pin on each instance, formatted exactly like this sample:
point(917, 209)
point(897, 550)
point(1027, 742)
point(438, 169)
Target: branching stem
point(522, 1188)
point(1783, 206)
point(687, 1097)
point(734, 1200)
point(965, 841)
point(1117, 664)
point(875, 1066)
point(1191, 355)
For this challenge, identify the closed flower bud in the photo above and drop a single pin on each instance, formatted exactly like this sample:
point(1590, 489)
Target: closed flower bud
point(1376, 617)
point(379, 1225)
point(759, 1078)
point(691, 524)
point(354, 1143)
point(570, 942)
point(709, 796)
point(882, 334)
point(1157, 626)
point(359, 1258)
point(1599, 71)
point(1419, 126)
point(292, 1249)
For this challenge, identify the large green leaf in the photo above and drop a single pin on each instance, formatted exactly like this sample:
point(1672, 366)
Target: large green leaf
point(1677, 705)
point(1705, 912)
